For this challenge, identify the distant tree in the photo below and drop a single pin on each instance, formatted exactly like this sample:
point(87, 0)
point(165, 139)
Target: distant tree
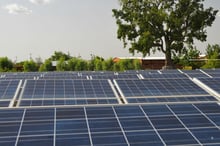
point(58, 55)
point(81, 65)
point(72, 63)
point(5, 64)
point(137, 64)
point(95, 63)
point(126, 64)
point(98, 64)
point(213, 49)
point(108, 64)
point(30, 66)
point(163, 25)
point(46, 66)
point(62, 65)
point(189, 58)
point(213, 56)
point(117, 66)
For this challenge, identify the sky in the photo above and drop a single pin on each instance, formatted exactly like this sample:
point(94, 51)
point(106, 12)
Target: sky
point(38, 28)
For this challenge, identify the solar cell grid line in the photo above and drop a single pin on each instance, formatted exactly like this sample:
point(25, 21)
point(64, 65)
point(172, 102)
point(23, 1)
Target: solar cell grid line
point(161, 139)
point(116, 116)
point(54, 128)
point(19, 131)
point(209, 108)
point(206, 117)
point(87, 123)
point(184, 125)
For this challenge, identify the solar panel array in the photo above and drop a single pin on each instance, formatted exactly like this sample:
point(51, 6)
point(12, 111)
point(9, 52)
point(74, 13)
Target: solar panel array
point(109, 108)
point(162, 91)
point(181, 124)
point(67, 92)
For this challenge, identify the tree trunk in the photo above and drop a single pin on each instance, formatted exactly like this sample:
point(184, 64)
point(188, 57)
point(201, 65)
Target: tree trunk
point(168, 61)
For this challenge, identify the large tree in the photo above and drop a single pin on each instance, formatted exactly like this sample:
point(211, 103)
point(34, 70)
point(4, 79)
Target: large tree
point(164, 25)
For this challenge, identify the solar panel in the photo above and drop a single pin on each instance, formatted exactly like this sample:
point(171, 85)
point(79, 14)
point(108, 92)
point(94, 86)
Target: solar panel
point(186, 99)
point(4, 103)
point(63, 75)
point(172, 124)
point(195, 73)
point(213, 83)
point(8, 89)
point(118, 76)
point(174, 76)
point(22, 75)
point(67, 92)
point(213, 72)
point(170, 71)
point(158, 87)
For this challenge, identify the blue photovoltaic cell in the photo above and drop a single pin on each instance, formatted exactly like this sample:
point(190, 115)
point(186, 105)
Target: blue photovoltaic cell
point(195, 73)
point(114, 76)
point(213, 83)
point(213, 72)
point(178, 137)
point(67, 92)
point(158, 76)
point(143, 138)
point(172, 124)
point(4, 103)
point(67, 89)
point(62, 75)
point(57, 102)
point(20, 76)
point(207, 136)
point(159, 87)
point(8, 88)
point(170, 71)
point(172, 99)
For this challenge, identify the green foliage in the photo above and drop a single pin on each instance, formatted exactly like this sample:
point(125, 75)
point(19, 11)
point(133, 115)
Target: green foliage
point(46, 66)
point(96, 63)
point(213, 56)
point(81, 65)
point(136, 64)
point(58, 55)
point(108, 64)
point(189, 58)
point(127, 64)
point(77, 64)
point(72, 63)
point(163, 25)
point(5, 64)
point(30, 66)
point(62, 65)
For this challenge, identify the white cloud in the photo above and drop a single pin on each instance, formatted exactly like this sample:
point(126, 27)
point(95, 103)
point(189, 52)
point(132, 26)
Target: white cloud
point(17, 9)
point(40, 2)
